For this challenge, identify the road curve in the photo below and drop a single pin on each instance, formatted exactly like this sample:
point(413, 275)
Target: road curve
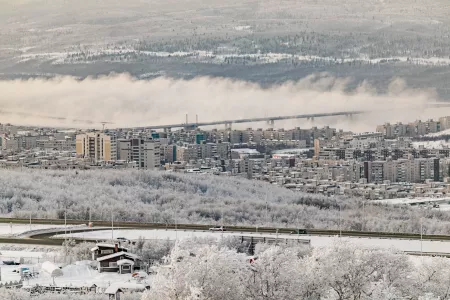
point(43, 238)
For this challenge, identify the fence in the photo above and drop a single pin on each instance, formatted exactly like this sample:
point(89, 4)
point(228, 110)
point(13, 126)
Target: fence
point(31, 260)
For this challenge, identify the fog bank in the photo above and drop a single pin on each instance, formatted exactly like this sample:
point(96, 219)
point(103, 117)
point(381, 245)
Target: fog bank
point(127, 102)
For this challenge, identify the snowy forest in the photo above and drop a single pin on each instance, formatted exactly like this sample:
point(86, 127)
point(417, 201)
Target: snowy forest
point(203, 268)
point(169, 198)
point(344, 270)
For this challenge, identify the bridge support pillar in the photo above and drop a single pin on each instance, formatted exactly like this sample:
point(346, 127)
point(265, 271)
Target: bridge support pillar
point(227, 125)
point(270, 122)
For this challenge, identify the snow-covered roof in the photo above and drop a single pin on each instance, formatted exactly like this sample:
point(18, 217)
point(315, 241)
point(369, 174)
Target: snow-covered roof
point(113, 289)
point(131, 255)
point(125, 262)
point(106, 246)
point(246, 151)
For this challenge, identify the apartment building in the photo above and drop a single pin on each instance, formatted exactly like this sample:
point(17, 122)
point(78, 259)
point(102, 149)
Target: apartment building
point(444, 123)
point(9, 143)
point(58, 145)
point(144, 152)
point(187, 153)
point(96, 146)
point(223, 150)
point(169, 153)
point(374, 171)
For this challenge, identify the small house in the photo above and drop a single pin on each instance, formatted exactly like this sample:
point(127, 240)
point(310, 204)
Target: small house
point(113, 292)
point(101, 250)
point(122, 262)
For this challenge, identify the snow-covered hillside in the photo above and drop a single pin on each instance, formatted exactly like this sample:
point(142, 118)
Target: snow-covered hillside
point(161, 197)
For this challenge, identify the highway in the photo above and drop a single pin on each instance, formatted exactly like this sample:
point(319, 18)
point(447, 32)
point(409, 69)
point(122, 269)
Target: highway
point(43, 238)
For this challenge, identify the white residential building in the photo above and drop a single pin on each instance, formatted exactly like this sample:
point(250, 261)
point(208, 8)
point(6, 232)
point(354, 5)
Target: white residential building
point(144, 152)
point(97, 146)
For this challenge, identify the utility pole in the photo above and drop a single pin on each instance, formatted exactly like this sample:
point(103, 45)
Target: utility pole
point(30, 220)
point(112, 225)
point(421, 236)
point(65, 238)
point(65, 223)
point(364, 215)
point(176, 227)
point(267, 214)
point(340, 222)
point(223, 225)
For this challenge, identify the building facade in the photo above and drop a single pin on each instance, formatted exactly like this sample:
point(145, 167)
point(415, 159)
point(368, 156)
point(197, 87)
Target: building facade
point(144, 152)
point(96, 146)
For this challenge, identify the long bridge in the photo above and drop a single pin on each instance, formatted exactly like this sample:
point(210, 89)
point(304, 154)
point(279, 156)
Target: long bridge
point(270, 120)
point(192, 125)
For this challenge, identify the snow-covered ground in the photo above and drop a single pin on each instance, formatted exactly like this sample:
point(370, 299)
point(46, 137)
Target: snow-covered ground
point(75, 275)
point(78, 275)
point(431, 144)
point(409, 201)
point(440, 133)
point(316, 241)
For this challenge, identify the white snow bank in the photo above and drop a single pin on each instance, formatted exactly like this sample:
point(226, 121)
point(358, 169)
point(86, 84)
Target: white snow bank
point(79, 270)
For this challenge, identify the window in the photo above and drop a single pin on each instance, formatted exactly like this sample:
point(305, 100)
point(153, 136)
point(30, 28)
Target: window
point(109, 251)
point(125, 268)
point(113, 264)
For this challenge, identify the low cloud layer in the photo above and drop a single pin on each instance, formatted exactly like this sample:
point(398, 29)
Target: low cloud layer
point(128, 102)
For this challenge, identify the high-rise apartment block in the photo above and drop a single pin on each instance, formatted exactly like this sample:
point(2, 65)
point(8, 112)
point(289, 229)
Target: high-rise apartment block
point(145, 153)
point(97, 146)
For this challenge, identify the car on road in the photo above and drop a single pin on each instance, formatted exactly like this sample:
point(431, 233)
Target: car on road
point(217, 228)
point(299, 231)
point(125, 240)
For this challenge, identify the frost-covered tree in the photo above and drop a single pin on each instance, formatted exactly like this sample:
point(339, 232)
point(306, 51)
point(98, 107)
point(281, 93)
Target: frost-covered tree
point(354, 272)
point(343, 271)
point(206, 272)
point(432, 277)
